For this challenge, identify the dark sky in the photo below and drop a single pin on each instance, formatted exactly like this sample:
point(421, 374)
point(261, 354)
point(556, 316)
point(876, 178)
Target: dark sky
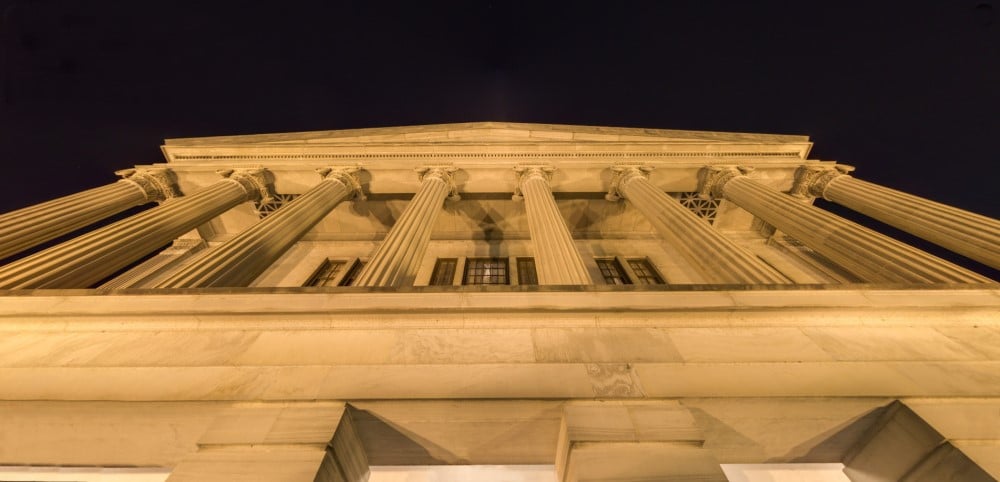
point(908, 91)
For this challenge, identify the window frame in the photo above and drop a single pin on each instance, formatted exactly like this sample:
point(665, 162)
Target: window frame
point(648, 265)
point(472, 260)
point(349, 266)
point(454, 271)
point(626, 275)
point(515, 271)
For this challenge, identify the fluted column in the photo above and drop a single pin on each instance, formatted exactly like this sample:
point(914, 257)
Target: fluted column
point(85, 260)
point(240, 260)
point(396, 260)
point(717, 257)
point(557, 261)
point(969, 234)
point(871, 256)
point(34, 225)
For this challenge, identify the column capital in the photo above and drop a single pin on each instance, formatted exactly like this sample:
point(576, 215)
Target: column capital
point(346, 175)
point(444, 172)
point(812, 180)
point(623, 173)
point(157, 184)
point(254, 181)
point(528, 170)
point(713, 178)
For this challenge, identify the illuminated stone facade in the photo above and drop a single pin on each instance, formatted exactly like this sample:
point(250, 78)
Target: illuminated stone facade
point(623, 304)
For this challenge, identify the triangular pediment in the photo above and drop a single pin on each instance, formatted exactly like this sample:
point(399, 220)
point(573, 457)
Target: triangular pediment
point(490, 132)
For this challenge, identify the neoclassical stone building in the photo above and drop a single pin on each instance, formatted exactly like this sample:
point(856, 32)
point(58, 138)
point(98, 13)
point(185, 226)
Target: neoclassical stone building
point(621, 304)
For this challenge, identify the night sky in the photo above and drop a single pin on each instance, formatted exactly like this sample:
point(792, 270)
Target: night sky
point(908, 91)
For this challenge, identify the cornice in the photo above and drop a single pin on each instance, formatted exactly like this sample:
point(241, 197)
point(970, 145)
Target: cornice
point(457, 132)
point(691, 305)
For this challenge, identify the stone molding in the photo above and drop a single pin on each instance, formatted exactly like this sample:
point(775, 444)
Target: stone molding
point(623, 174)
point(254, 182)
point(445, 173)
point(812, 181)
point(157, 184)
point(346, 175)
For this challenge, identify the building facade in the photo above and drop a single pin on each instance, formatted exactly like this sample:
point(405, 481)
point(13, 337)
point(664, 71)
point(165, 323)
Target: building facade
point(622, 304)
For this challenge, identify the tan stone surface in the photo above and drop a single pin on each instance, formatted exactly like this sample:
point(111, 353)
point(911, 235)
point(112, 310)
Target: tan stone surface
point(666, 461)
point(586, 345)
point(655, 382)
point(803, 430)
point(260, 463)
point(874, 343)
point(697, 345)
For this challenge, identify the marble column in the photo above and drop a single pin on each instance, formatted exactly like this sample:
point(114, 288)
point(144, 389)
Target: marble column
point(396, 260)
point(240, 260)
point(83, 261)
point(557, 261)
point(34, 225)
point(872, 256)
point(969, 234)
point(715, 256)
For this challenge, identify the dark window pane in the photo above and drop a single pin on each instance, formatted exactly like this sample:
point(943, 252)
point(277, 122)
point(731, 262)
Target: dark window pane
point(326, 273)
point(486, 271)
point(612, 272)
point(352, 274)
point(644, 272)
point(526, 274)
point(444, 272)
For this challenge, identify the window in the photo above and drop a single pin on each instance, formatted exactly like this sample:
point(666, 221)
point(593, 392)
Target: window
point(326, 274)
point(486, 271)
point(526, 274)
point(444, 272)
point(353, 273)
point(644, 272)
point(332, 272)
point(612, 271)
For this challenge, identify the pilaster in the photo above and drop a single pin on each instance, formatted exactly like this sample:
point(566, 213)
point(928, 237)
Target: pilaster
point(620, 440)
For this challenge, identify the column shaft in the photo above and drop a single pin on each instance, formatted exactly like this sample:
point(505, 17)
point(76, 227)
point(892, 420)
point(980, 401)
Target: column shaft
point(557, 261)
point(33, 225)
point(718, 258)
point(239, 261)
point(396, 260)
point(871, 256)
point(85, 260)
point(966, 233)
